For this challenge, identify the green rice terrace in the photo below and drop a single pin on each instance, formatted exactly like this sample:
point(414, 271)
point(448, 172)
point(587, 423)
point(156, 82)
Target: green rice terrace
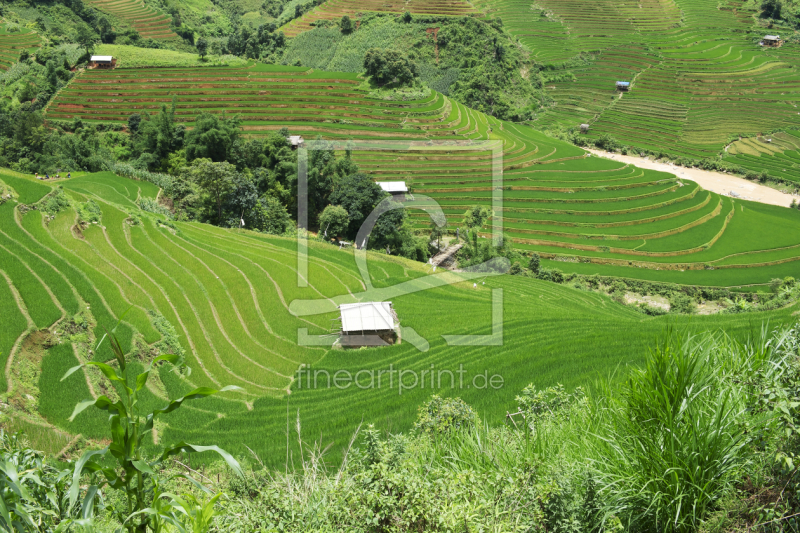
point(583, 214)
point(12, 44)
point(698, 73)
point(227, 296)
point(147, 21)
point(333, 10)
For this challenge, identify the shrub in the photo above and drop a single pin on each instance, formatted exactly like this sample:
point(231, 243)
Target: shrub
point(55, 202)
point(269, 216)
point(89, 212)
point(443, 415)
point(333, 221)
point(681, 303)
point(346, 24)
point(551, 274)
point(534, 263)
point(389, 66)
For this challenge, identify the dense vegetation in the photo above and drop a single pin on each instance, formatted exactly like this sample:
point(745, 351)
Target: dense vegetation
point(694, 440)
point(597, 404)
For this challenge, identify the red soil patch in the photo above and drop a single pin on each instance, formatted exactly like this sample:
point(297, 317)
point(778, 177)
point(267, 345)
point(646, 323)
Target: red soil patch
point(434, 32)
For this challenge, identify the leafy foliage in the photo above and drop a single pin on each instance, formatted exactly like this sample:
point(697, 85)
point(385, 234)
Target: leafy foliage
point(389, 66)
point(133, 475)
point(444, 415)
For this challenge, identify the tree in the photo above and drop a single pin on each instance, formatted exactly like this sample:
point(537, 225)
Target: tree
point(202, 46)
point(359, 195)
point(241, 200)
point(346, 25)
point(159, 135)
point(269, 216)
point(438, 228)
point(388, 231)
point(771, 9)
point(106, 31)
point(85, 38)
point(389, 66)
point(333, 221)
point(535, 263)
point(133, 123)
point(212, 137)
point(216, 179)
point(476, 216)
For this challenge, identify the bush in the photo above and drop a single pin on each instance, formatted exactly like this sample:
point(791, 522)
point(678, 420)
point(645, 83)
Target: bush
point(443, 415)
point(55, 202)
point(333, 221)
point(534, 263)
point(346, 24)
point(89, 212)
point(551, 274)
point(681, 303)
point(389, 66)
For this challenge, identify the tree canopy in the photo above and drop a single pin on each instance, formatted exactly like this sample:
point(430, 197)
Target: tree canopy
point(389, 66)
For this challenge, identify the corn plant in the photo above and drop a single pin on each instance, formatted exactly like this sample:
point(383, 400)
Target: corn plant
point(33, 494)
point(133, 474)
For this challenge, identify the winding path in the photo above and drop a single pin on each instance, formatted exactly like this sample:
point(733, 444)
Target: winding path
point(717, 182)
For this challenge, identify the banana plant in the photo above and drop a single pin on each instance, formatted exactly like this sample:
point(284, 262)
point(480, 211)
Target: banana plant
point(135, 476)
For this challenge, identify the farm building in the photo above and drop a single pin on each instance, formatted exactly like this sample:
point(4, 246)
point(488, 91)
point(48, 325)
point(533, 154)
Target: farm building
point(395, 188)
point(296, 141)
point(771, 40)
point(368, 324)
point(102, 62)
point(623, 85)
point(584, 128)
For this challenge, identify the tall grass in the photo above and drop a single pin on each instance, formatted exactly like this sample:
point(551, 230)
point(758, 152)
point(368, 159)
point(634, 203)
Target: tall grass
point(657, 453)
point(680, 431)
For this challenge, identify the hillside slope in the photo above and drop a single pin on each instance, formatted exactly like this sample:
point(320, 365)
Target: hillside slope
point(585, 213)
point(227, 294)
point(699, 75)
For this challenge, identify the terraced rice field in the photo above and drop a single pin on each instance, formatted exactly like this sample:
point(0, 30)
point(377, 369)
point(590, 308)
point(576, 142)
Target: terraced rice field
point(336, 9)
point(778, 154)
point(227, 295)
point(695, 84)
point(12, 44)
point(556, 30)
point(583, 212)
point(150, 24)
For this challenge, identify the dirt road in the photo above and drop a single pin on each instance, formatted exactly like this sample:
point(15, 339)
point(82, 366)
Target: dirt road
point(712, 181)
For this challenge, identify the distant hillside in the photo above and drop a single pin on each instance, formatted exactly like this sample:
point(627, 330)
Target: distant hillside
point(584, 214)
point(699, 76)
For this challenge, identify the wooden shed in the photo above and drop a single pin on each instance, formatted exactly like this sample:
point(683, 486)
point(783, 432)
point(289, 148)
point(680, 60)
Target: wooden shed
point(584, 128)
point(102, 62)
point(296, 141)
point(397, 189)
point(771, 40)
point(623, 85)
point(368, 324)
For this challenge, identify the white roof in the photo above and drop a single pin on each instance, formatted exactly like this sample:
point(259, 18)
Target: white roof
point(367, 316)
point(102, 58)
point(295, 140)
point(393, 186)
point(772, 37)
